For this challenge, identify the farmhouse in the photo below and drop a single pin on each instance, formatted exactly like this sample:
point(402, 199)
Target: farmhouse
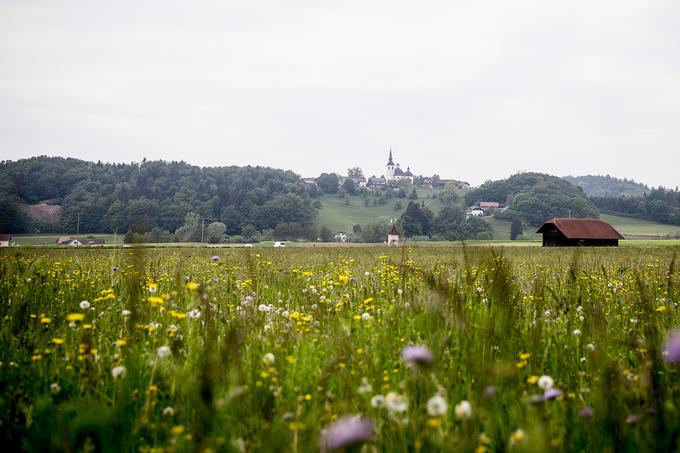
point(474, 211)
point(559, 232)
point(488, 205)
point(4, 240)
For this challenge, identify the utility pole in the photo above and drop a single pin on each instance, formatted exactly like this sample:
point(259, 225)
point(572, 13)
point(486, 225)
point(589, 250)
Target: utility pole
point(78, 228)
point(202, 227)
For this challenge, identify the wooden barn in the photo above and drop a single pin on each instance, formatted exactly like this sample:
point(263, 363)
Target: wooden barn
point(574, 232)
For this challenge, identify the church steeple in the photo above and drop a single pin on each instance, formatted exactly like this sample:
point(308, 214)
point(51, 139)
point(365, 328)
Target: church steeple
point(390, 161)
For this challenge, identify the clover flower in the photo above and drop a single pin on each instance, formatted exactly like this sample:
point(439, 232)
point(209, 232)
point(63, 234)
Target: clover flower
point(417, 355)
point(671, 351)
point(346, 432)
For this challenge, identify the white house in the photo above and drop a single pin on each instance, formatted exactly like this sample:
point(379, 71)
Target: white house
point(474, 211)
point(340, 237)
point(4, 240)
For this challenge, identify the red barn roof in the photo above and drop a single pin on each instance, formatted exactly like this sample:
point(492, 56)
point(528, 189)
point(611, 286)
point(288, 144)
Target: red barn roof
point(582, 228)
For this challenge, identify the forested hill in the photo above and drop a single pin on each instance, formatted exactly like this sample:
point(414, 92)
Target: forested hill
point(151, 194)
point(607, 186)
point(534, 197)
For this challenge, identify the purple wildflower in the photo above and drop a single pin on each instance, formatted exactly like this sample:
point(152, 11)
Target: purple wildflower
point(551, 394)
point(346, 432)
point(586, 412)
point(417, 355)
point(672, 348)
point(215, 259)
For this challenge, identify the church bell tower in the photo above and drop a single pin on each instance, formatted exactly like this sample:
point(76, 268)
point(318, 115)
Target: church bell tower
point(389, 170)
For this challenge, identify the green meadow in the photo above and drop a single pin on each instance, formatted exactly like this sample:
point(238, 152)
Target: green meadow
point(469, 348)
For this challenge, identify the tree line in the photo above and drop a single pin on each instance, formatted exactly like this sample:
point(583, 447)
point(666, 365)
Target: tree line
point(141, 197)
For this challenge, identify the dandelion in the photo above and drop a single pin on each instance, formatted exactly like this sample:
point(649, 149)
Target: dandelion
point(396, 403)
point(84, 304)
point(57, 341)
point(75, 317)
point(263, 308)
point(463, 410)
point(348, 431)
point(378, 401)
point(118, 372)
point(55, 389)
point(517, 436)
point(194, 314)
point(163, 351)
point(577, 333)
point(417, 355)
point(590, 347)
point(365, 316)
point(285, 314)
point(125, 313)
point(192, 286)
point(268, 359)
point(545, 382)
point(45, 320)
point(437, 406)
point(168, 412)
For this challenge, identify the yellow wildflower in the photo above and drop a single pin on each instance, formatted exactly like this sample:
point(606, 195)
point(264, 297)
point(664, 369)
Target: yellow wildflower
point(73, 317)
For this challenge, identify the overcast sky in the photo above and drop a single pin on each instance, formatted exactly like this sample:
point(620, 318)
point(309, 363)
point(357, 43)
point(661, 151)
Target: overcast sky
point(470, 90)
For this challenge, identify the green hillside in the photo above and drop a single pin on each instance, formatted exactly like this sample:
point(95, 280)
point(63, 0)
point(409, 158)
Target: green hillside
point(629, 226)
point(338, 216)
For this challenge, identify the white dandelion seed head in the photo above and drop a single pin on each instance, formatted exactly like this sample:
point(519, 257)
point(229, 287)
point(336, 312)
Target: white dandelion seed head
point(168, 412)
point(437, 406)
point(590, 347)
point(194, 314)
point(365, 316)
point(126, 313)
point(263, 308)
point(85, 304)
point(118, 372)
point(54, 388)
point(463, 410)
point(163, 351)
point(395, 402)
point(378, 401)
point(545, 382)
point(577, 332)
point(268, 358)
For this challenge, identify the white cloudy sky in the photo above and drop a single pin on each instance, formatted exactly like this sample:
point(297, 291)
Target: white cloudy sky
point(467, 89)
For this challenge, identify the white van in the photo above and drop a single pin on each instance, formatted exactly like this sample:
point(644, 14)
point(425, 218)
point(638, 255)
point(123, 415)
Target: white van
point(279, 244)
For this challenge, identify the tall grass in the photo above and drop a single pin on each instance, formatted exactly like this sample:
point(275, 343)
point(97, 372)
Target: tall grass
point(269, 348)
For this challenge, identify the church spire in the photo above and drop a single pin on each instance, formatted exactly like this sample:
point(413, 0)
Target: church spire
point(390, 161)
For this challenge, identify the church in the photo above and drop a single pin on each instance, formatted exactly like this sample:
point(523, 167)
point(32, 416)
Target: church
point(395, 173)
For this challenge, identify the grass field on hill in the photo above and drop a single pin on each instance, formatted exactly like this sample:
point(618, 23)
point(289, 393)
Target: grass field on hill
point(640, 227)
point(404, 349)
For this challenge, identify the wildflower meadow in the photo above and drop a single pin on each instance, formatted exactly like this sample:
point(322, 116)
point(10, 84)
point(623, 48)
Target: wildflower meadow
point(362, 349)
